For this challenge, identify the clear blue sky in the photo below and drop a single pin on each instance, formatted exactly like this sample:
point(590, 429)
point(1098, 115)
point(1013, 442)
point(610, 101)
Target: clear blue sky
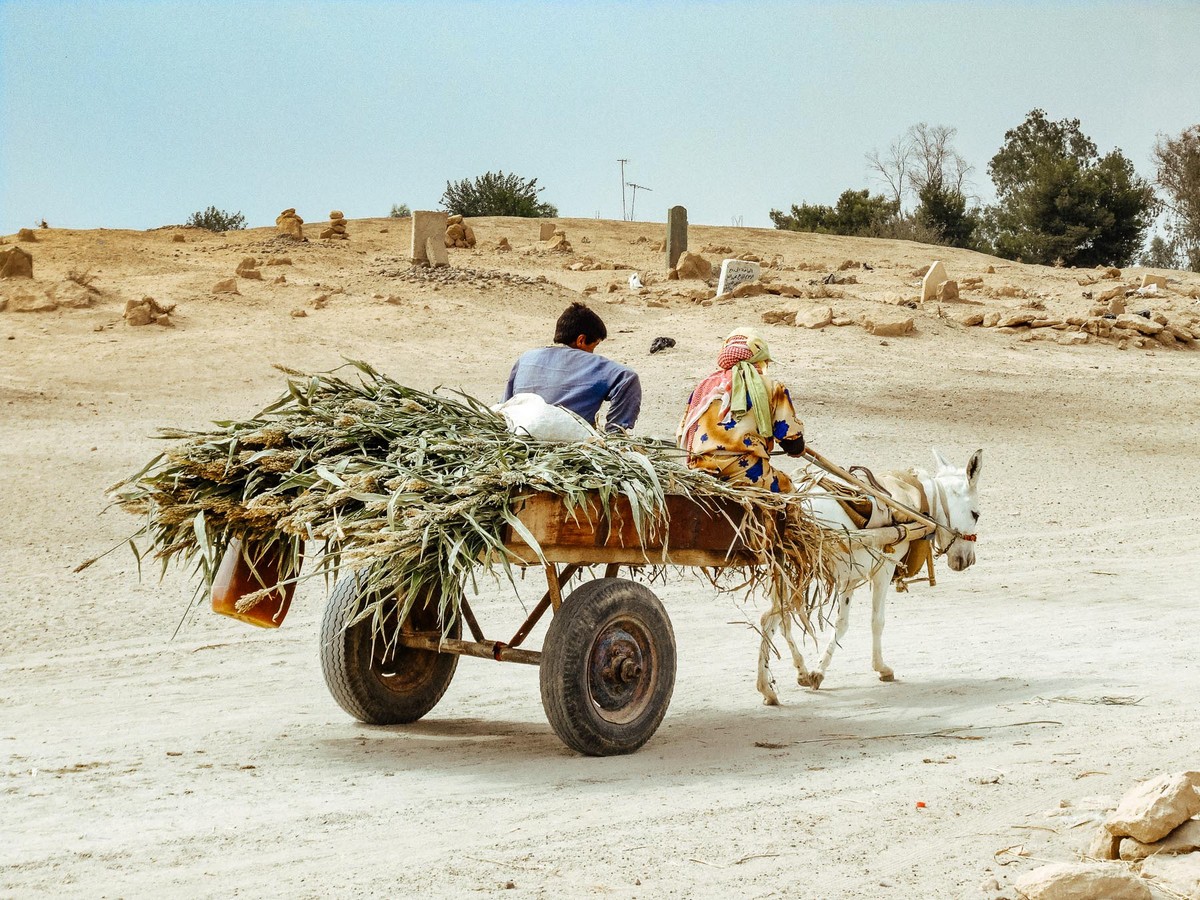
point(134, 115)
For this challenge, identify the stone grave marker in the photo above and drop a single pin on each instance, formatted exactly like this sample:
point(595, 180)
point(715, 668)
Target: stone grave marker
point(676, 234)
point(435, 252)
point(735, 272)
point(935, 276)
point(425, 225)
point(546, 232)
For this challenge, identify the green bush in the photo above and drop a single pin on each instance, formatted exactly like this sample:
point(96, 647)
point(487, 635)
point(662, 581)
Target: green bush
point(497, 194)
point(217, 220)
point(400, 211)
point(856, 213)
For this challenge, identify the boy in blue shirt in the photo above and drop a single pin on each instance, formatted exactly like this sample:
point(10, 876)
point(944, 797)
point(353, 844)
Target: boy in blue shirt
point(570, 374)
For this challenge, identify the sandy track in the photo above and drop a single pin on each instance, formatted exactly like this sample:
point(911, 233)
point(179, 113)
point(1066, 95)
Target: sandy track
point(217, 763)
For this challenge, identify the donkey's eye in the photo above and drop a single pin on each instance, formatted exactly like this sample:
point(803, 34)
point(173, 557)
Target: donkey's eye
point(975, 515)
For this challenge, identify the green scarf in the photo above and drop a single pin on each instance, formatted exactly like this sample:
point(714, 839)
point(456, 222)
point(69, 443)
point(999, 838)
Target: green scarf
point(748, 390)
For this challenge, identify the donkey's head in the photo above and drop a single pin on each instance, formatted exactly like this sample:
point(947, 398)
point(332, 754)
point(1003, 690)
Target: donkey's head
point(956, 504)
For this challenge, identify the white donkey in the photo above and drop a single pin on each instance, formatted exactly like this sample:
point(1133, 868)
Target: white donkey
point(951, 499)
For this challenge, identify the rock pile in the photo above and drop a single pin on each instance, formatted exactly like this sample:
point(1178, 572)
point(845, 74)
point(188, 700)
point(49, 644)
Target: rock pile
point(288, 224)
point(503, 246)
point(148, 311)
point(557, 242)
point(1151, 837)
point(459, 234)
point(336, 230)
point(453, 275)
point(16, 263)
point(27, 235)
point(937, 285)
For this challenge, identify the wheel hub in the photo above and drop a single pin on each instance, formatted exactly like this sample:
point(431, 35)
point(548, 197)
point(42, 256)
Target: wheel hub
point(620, 671)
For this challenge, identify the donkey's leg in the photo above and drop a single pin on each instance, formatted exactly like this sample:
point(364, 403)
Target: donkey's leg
point(880, 584)
point(766, 682)
point(839, 631)
point(803, 678)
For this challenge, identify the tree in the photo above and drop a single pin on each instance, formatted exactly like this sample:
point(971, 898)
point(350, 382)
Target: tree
point(923, 162)
point(1060, 202)
point(217, 220)
point(400, 211)
point(1178, 175)
point(1161, 253)
point(497, 194)
point(944, 210)
point(856, 213)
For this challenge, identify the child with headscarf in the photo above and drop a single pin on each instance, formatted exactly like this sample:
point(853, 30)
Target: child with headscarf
point(735, 416)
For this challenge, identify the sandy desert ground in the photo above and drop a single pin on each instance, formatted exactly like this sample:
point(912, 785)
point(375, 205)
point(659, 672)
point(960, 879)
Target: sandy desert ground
point(1057, 671)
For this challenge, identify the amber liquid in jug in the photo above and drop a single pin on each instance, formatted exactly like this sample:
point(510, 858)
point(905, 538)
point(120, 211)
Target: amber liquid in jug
point(236, 578)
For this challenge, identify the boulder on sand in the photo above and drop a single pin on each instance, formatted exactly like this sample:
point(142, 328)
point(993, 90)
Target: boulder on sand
point(16, 263)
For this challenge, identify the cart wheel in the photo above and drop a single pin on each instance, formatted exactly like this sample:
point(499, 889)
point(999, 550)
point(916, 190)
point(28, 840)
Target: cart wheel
point(378, 685)
point(608, 667)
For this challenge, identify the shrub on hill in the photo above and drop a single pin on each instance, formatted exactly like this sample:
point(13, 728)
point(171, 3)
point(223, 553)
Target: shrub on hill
point(497, 194)
point(217, 220)
point(400, 211)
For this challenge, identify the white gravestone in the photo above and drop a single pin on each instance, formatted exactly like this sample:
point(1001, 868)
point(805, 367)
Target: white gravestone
point(735, 272)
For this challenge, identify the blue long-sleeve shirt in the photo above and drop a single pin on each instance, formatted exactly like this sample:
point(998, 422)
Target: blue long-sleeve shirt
point(578, 381)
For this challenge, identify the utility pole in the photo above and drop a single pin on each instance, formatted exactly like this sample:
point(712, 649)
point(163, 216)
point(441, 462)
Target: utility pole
point(622, 162)
point(633, 202)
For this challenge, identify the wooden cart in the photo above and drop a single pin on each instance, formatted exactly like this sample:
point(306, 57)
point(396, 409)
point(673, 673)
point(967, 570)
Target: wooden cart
point(607, 664)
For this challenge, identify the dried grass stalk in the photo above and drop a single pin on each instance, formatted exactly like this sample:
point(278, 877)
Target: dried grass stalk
point(414, 491)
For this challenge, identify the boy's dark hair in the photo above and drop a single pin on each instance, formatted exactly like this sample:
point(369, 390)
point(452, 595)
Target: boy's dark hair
point(577, 319)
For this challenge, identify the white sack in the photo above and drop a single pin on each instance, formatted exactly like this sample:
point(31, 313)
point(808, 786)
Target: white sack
point(529, 414)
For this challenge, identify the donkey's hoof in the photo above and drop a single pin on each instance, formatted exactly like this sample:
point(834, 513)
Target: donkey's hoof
point(815, 679)
point(887, 675)
point(771, 699)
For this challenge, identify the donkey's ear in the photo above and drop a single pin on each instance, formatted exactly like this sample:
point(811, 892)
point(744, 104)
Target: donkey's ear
point(940, 460)
point(973, 468)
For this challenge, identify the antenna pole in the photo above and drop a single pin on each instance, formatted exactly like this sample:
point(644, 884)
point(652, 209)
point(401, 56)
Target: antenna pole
point(633, 202)
point(622, 162)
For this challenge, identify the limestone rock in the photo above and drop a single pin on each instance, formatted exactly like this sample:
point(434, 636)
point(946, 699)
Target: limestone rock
point(1151, 810)
point(39, 302)
point(248, 268)
point(1139, 324)
point(1180, 874)
point(75, 295)
point(138, 315)
point(1116, 303)
point(326, 233)
point(546, 231)
point(1081, 881)
point(16, 263)
point(933, 277)
point(1017, 318)
point(1104, 844)
point(455, 219)
point(990, 270)
point(692, 265)
point(847, 264)
point(164, 320)
point(813, 317)
point(972, 281)
point(279, 279)
point(947, 291)
point(279, 261)
point(226, 286)
point(27, 235)
point(469, 232)
point(1157, 280)
point(336, 214)
point(178, 238)
point(435, 252)
point(299, 314)
point(454, 233)
point(969, 318)
point(320, 301)
point(503, 246)
point(1073, 338)
point(885, 328)
point(1109, 271)
point(750, 289)
point(779, 317)
point(147, 311)
point(1184, 839)
point(991, 320)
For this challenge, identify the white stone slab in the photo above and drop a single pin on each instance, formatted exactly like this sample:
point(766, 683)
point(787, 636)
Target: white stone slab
point(735, 272)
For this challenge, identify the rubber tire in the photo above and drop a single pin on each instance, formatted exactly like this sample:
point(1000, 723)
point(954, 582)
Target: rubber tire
point(566, 673)
point(353, 675)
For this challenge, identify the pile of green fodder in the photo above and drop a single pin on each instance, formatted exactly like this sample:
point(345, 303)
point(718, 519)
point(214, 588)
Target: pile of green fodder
point(414, 492)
